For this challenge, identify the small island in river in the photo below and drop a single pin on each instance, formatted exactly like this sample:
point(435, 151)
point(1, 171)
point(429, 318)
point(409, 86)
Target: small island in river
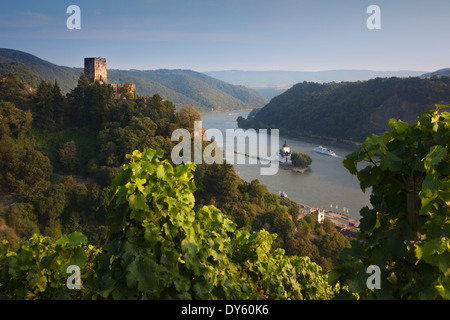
point(298, 162)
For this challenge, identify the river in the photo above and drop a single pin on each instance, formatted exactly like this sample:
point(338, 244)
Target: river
point(328, 185)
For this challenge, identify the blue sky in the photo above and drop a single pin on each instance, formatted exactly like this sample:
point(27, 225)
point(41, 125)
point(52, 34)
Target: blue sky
point(206, 35)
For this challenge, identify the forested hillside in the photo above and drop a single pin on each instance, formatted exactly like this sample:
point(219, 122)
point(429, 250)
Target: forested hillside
point(179, 86)
point(66, 77)
point(47, 138)
point(350, 110)
point(23, 72)
point(190, 87)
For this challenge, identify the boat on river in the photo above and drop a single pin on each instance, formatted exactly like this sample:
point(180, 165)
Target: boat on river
point(326, 151)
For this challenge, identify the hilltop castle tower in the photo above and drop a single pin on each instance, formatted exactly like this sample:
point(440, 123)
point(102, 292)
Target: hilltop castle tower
point(95, 70)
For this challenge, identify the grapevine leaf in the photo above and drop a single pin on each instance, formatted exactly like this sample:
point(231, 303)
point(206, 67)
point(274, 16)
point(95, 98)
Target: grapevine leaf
point(141, 272)
point(444, 288)
point(391, 162)
point(79, 258)
point(436, 154)
point(351, 160)
point(392, 123)
point(73, 240)
point(202, 289)
point(151, 233)
point(138, 202)
point(160, 173)
point(401, 127)
point(368, 177)
point(45, 261)
point(373, 142)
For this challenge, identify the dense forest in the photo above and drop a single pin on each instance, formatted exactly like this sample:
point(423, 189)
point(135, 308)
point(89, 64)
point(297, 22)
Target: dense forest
point(349, 110)
point(87, 180)
point(60, 153)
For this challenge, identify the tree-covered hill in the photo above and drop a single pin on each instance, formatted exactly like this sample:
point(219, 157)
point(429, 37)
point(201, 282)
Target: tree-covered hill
point(179, 86)
point(31, 77)
point(190, 87)
point(350, 110)
point(66, 77)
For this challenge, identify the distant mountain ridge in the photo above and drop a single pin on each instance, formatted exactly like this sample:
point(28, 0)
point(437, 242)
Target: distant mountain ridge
point(440, 72)
point(179, 86)
point(273, 83)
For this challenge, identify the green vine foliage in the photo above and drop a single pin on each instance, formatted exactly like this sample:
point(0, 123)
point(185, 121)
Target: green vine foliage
point(407, 232)
point(275, 275)
point(159, 248)
point(37, 269)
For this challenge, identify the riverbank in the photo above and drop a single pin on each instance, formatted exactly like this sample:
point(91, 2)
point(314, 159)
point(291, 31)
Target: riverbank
point(289, 166)
point(229, 112)
point(343, 223)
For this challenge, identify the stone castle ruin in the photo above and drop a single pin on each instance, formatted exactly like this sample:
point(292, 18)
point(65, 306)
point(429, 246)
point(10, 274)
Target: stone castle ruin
point(95, 70)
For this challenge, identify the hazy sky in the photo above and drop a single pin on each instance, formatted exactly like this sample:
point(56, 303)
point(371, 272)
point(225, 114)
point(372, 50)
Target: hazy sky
point(206, 35)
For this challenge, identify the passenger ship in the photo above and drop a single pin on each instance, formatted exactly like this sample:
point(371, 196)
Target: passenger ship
point(323, 150)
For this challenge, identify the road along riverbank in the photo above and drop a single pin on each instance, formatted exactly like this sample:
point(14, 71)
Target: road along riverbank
point(344, 224)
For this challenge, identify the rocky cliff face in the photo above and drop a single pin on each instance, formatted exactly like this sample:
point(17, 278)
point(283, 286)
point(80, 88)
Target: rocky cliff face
point(396, 108)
